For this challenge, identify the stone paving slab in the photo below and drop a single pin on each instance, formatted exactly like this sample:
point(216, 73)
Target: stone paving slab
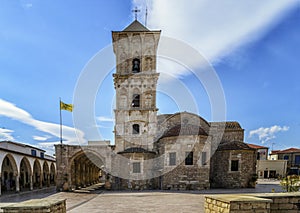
point(143, 202)
point(151, 201)
point(73, 199)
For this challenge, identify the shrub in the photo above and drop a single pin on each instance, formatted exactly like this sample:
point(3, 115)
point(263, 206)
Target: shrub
point(291, 183)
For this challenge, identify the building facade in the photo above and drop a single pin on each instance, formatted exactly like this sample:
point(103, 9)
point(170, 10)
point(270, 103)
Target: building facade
point(24, 167)
point(271, 168)
point(261, 151)
point(178, 151)
point(292, 156)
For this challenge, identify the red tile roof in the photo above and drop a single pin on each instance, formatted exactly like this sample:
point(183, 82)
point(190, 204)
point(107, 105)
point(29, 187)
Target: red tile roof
point(290, 150)
point(274, 152)
point(254, 146)
point(234, 145)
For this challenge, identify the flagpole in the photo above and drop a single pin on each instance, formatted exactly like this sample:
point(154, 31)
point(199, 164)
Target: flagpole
point(60, 120)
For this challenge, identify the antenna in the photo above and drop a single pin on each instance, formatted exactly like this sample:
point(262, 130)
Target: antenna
point(146, 16)
point(273, 145)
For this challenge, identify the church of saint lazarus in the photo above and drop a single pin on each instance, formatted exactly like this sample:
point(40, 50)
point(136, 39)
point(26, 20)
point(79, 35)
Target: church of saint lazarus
point(180, 151)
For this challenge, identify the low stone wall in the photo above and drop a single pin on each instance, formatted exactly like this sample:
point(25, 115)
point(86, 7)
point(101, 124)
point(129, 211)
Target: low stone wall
point(253, 203)
point(37, 206)
point(283, 202)
point(236, 204)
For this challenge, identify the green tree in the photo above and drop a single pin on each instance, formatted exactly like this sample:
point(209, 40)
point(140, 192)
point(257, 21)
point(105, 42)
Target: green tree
point(291, 183)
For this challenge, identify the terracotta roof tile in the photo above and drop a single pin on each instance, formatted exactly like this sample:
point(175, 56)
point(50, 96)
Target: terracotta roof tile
point(254, 146)
point(290, 150)
point(184, 129)
point(234, 145)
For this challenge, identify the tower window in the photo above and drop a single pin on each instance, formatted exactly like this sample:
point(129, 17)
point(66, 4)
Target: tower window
point(135, 129)
point(172, 158)
point(189, 158)
point(136, 100)
point(136, 65)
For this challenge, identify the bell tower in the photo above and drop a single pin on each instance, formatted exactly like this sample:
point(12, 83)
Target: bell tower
point(135, 82)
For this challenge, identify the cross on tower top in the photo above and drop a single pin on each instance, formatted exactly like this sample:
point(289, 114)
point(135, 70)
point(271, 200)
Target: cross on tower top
point(136, 11)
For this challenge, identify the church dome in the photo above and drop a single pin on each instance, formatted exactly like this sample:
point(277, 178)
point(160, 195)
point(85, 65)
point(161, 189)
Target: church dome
point(184, 129)
point(234, 145)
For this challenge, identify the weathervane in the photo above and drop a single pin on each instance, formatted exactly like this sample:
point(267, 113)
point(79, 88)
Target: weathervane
point(135, 11)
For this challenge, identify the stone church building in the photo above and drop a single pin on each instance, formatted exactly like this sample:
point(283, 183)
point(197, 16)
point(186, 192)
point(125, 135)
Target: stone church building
point(180, 151)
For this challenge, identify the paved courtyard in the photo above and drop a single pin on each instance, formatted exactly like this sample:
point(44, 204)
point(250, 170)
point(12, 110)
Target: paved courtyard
point(150, 201)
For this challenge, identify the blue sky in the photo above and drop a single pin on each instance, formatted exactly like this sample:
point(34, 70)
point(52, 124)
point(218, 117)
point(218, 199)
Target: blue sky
point(253, 46)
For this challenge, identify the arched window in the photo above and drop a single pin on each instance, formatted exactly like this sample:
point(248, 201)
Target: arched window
point(136, 65)
point(135, 129)
point(135, 100)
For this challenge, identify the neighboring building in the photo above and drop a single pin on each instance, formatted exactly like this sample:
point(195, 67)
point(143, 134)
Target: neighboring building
point(261, 151)
point(292, 155)
point(268, 168)
point(170, 151)
point(271, 168)
point(273, 155)
point(25, 167)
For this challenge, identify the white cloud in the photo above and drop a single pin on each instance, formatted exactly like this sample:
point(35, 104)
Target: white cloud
point(10, 110)
point(214, 28)
point(41, 138)
point(6, 135)
point(267, 133)
point(27, 5)
point(105, 119)
point(48, 146)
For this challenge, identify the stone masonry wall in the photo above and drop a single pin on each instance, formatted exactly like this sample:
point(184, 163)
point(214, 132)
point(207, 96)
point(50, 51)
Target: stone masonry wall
point(222, 175)
point(253, 203)
point(145, 179)
point(181, 176)
point(236, 204)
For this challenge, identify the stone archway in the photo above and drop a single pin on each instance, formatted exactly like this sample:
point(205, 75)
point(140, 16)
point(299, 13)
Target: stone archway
point(37, 172)
point(9, 173)
point(46, 175)
point(85, 169)
point(25, 175)
point(52, 174)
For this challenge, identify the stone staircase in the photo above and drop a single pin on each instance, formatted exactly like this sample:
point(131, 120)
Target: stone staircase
point(90, 189)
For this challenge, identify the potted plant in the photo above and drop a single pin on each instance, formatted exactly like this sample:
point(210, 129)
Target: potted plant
point(253, 180)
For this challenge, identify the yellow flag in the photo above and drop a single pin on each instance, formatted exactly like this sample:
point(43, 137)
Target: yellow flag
point(68, 107)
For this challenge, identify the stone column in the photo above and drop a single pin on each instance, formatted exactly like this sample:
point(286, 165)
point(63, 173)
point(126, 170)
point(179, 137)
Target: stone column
point(17, 183)
point(93, 174)
point(0, 184)
point(83, 175)
point(31, 182)
point(48, 180)
point(77, 173)
point(41, 179)
point(87, 175)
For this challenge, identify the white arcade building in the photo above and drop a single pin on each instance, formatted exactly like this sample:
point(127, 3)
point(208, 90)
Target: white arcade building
point(24, 167)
